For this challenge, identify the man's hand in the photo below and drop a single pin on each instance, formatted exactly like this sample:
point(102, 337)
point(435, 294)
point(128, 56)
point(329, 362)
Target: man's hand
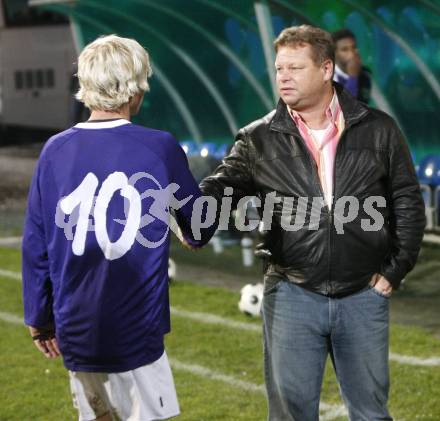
point(174, 226)
point(181, 237)
point(45, 341)
point(189, 246)
point(381, 284)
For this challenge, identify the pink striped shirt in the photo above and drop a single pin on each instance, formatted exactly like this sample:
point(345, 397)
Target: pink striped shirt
point(322, 144)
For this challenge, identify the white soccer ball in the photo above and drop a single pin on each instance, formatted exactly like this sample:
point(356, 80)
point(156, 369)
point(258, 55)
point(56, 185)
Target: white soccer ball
point(251, 299)
point(172, 269)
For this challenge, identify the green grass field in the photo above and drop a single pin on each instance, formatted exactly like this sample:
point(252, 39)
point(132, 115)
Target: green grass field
point(217, 368)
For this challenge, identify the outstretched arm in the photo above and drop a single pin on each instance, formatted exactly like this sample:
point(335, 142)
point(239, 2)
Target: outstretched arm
point(235, 172)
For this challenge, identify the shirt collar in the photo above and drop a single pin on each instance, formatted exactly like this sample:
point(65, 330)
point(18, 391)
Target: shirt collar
point(332, 111)
point(340, 72)
point(106, 124)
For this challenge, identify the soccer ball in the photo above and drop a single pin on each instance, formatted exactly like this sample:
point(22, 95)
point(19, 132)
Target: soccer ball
point(251, 299)
point(172, 269)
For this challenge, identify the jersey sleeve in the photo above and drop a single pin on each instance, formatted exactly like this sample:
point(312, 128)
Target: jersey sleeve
point(37, 286)
point(184, 215)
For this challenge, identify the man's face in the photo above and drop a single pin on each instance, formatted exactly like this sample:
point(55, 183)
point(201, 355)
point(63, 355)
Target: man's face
point(301, 82)
point(345, 51)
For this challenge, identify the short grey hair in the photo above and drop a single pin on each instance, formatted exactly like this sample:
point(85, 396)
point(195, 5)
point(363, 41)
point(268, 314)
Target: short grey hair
point(111, 70)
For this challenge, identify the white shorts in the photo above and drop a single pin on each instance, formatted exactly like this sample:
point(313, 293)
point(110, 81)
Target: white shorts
point(144, 394)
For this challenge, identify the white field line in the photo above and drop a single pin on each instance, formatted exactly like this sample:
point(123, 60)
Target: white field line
point(431, 238)
point(410, 360)
point(330, 412)
point(215, 375)
point(11, 318)
point(10, 241)
point(11, 275)
point(212, 319)
point(209, 318)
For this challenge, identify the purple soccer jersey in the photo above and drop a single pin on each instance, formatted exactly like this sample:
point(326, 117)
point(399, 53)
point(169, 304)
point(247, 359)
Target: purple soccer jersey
point(96, 241)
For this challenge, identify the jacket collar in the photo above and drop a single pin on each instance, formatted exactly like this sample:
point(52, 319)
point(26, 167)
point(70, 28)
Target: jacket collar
point(352, 110)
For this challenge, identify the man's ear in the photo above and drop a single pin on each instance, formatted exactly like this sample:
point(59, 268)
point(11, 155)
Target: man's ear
point(327, 68)
point(132, 100)
point(135, 103)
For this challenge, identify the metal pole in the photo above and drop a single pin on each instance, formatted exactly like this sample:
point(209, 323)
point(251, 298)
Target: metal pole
point(264, 21)
point(436, 205)
point(77, 35)
point(429, 209)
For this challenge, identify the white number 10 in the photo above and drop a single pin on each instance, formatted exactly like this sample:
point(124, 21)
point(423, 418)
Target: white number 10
point(83, 196)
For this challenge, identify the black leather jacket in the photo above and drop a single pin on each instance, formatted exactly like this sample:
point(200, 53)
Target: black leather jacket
point(372, 159)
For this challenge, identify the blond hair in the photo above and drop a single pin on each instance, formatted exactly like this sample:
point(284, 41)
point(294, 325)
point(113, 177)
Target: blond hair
point(320, 41)
point(111, 70)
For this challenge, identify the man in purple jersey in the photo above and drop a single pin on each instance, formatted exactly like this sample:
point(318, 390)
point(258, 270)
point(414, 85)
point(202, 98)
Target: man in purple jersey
point(96, 242)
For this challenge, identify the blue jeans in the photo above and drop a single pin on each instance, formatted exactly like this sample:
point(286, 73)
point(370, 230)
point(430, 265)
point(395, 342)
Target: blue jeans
point(302, 328)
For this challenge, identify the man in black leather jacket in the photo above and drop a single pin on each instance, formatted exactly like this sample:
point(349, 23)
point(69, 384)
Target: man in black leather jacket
point(344, 222)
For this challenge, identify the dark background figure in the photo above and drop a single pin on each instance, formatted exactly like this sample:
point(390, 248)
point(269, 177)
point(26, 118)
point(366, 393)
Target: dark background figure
point(349, 71)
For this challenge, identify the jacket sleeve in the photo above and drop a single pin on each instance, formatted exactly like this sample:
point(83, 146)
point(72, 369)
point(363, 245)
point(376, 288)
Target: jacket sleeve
point(37, 286)
point(407, 211)
point(236, 171)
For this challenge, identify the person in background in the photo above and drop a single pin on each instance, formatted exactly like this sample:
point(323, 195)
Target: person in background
point(98, 294)
point(349, 71)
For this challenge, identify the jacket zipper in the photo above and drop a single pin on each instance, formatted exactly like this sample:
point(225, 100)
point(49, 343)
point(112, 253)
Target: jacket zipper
point(314, 167)
point(318, 182)
point(331, 211)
